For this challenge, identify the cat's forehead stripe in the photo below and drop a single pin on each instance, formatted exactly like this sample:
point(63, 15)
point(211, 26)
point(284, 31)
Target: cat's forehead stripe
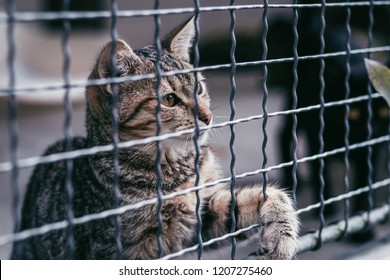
point(167, 63)
point(150, 53)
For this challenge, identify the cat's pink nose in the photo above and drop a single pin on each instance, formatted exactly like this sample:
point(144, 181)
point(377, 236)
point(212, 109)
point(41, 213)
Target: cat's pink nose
point(205, 115)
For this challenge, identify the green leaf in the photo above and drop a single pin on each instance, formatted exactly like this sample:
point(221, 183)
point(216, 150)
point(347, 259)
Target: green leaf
point(379, 76)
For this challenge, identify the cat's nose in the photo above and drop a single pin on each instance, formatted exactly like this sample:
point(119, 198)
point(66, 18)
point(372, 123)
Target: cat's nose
point(205, 115)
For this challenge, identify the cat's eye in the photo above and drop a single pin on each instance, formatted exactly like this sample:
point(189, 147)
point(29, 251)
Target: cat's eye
point(170, 100)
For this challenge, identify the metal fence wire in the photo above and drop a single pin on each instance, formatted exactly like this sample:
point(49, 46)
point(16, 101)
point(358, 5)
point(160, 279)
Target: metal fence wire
point(318, 54)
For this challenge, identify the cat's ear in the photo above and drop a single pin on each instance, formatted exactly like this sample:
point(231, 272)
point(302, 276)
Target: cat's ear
point(179, 41)
point(125, 59)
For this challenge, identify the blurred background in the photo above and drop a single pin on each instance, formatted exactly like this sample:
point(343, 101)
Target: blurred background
point(39, 62)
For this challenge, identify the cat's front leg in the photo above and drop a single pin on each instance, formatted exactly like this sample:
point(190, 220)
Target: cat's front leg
point(279, 224)
point(278, 232)
point(141, 238)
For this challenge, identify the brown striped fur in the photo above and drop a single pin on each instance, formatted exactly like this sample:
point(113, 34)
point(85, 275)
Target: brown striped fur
point(92, 178)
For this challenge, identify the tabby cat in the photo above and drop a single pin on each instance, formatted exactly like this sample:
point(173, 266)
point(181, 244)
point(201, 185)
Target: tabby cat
point(92, 177)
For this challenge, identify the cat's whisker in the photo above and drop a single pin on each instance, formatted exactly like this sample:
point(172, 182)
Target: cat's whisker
point(218, 132)
point(213, 134)
point(221, 117)
point(218, 107)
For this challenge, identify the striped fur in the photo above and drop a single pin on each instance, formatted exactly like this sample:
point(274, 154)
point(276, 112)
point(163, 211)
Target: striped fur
point(46, 199)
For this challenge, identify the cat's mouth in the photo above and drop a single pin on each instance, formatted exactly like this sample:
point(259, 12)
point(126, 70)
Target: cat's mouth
point(188, 139)
point(185, 143)
point(197, 134)
point(191, 136)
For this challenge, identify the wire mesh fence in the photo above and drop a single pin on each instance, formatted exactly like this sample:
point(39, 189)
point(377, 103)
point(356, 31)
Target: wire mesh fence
point(317, 53)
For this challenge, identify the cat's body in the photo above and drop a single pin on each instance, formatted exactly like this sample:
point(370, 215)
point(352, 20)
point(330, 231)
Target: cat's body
point(93, 176)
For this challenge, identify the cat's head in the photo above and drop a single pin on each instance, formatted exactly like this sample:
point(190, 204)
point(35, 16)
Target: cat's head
point(137, 100)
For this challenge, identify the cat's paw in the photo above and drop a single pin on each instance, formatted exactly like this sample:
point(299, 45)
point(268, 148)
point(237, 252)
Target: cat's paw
point(279, 227)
